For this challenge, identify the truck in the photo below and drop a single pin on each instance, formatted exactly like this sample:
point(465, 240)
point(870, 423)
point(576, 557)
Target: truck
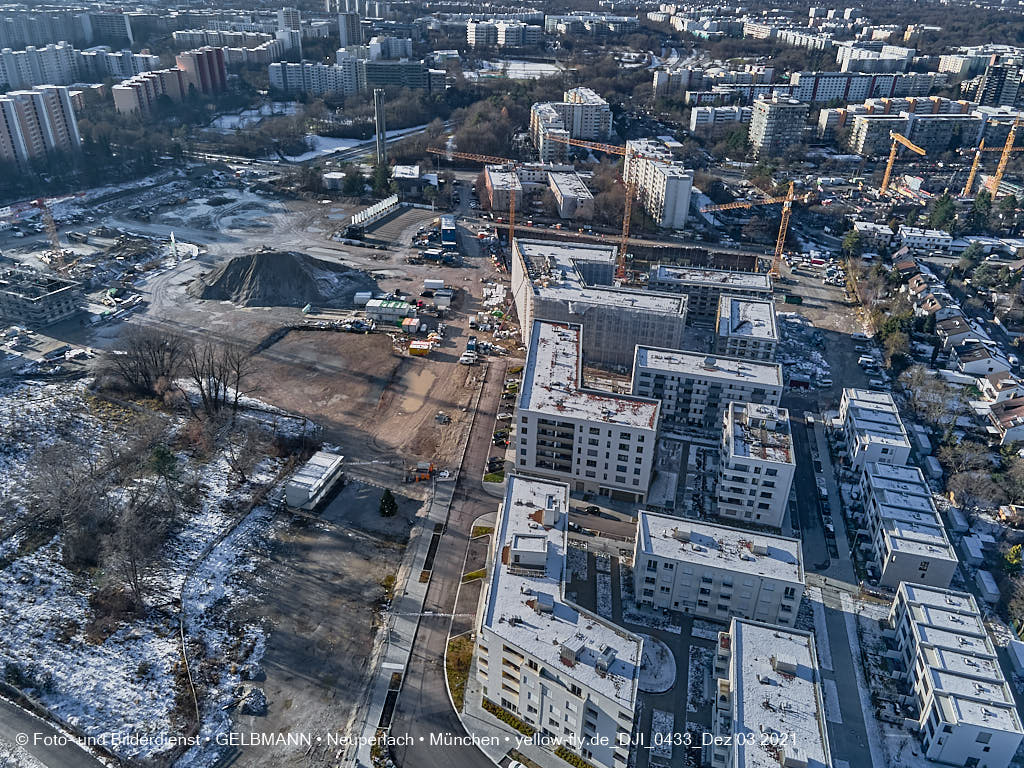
point(471, 344)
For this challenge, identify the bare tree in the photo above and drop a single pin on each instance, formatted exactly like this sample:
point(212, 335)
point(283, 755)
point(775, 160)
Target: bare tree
point(932, 399)
point(149, 359)
point(244, 448)
point(964, 456)
point(139, 531)
point(976, 488)
point(238, 362)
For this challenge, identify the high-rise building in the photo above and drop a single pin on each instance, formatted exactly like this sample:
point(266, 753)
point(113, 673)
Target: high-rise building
point(349, 29)
point(380, 127)
point(662, 184)
point(1000, 85)
point(205, 69)
point(113, 28)
point(481, 34)
point(289, 18)
point(36, 123)
point(140, 93)
point(55, 64)
point(581, 114)
point(776, 124)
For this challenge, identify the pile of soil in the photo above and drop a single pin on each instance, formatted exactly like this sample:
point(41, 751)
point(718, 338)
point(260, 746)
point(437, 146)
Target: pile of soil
point(282, 279)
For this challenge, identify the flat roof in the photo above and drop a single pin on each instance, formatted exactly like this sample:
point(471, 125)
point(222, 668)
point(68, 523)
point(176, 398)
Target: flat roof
point(512, 593)
point(551, 383)
point(570, 184)
point(760, 431)
point(503, 177)
point(700, 365)
point(749, 318)
point(557, 272)
point(718, 546)
point(721, 278)
point(874, 416)
point(787, 703)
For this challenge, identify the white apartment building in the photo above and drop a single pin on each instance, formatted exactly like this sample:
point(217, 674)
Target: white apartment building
point(767, 682)
point(906, 533)
point(716, 572)
point(54, 64)
point(573, 283)
point(561, 669)
point(36, 123)
point(481, 34)
point(140, 93)
point(662, 184)
point(747, 328)
point(819, 87)
point(711, 119)
point(925, 240)
point(599, 442)
point(776, 124)
point(581, 114)
point(695, 389)
point(756, 464)
point(705, 286)
point(967, 714)
point(872, 428)
point(316, 79)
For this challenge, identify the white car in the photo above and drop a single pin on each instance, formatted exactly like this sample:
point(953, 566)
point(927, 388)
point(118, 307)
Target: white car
point(877, 383)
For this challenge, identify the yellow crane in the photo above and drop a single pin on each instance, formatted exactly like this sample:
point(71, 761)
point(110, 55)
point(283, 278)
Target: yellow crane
point(488, 160)
point(977, 162)
point(56, 252)
point(787, 201)
point(1004, 159)
point(897, 139)
point(627, 153)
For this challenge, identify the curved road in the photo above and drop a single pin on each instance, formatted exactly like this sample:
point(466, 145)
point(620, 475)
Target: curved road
point(15, 721)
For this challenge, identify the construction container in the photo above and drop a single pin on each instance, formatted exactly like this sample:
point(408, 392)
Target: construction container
point(419, 348)
point(362, 298)
point(410, 325)
point(443, 298)
point(432, 284)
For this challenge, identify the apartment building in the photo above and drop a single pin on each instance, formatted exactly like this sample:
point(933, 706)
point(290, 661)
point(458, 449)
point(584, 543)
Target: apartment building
point(502, 183)
point(581, 114)
point(662, 184)
point(350, 30)
point(820, 87)
point(695, 390)
point(204, 69)
point(922, 240)
point(756, 464)
point(767, 682)
point(566, 672)
point(872, 428)
point(316, 79)
point(37, 299)
point(596, 24)
point(906, 533)
point(1000, 85)
point(716, 572)
point(97, 64)
point(139, 94)
point(967, 713)
point(714, 120)
point(598, 442)
point(870, 134)
point(940, 133)
point(35, 123)
point(747, 328)
point(573, 198)
point(705, 286)
point(573, 283)
point(481, 34)
point(776, 124)
point(55, 64)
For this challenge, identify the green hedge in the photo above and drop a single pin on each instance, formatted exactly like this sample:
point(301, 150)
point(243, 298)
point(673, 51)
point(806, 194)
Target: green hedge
point(571, 757)
point(508, 718)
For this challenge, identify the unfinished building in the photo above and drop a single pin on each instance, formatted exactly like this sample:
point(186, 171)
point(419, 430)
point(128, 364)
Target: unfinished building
point(37, 299)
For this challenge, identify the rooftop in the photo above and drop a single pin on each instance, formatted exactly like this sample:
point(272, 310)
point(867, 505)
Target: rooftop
point(704, 366)
point(570, 184)
point(514, 595)
point(747, 317)
point(724, 278)
point(576, 272)
point(551, 383)
point(874, 417)
point(718, 546)
point(760, 431)
point(503, 177)
point(775, 673)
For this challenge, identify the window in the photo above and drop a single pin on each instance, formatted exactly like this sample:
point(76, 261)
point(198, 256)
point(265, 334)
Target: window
point(668, 566)
point(984, 738)
point(576, 690)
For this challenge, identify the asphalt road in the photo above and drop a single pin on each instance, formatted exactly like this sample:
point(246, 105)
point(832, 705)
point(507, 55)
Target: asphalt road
point(15, 722)
point(423, 707)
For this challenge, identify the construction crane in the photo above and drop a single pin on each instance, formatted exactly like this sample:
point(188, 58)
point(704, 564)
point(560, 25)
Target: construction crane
point(1004, 159)
point(487, 160)
point(897, 139)
point(626, 152)
point(977, 161)
point(787, 201)
point(56, 252)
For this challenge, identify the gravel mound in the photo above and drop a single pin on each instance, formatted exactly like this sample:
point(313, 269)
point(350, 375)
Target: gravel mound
point(282, 279)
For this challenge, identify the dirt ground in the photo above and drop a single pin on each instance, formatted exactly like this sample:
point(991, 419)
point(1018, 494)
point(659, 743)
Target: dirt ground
point(319, 594)
point(371, 401)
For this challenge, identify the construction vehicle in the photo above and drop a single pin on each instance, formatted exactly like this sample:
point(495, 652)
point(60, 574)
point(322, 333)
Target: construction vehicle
point(897, 139)
point(787, 201)
point(627, 153)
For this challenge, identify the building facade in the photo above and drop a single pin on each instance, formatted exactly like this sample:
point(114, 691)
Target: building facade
point(747, 328)
point(872, 428)
point(776, 124)
point(704, 287)
point(36, 123)
point(662, 184)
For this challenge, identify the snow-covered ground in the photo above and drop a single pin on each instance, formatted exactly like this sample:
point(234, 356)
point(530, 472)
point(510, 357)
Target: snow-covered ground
point(13, 756)
point(662, 725)
point(514, 69)
point(121, 679)
point(325, 145)
point(604, 595)
point(250, 117)
point(576, 563)
point(706, 630)
point(641, 617)
point(702, 661)
point(657, 667)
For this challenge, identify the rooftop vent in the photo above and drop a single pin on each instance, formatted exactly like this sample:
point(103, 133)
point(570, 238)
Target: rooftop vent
point(759, 548)
point(545, 602)
point(682, 534)
point(783, 666)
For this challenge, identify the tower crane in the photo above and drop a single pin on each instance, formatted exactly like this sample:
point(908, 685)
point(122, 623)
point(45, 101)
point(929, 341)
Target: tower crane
point(627, 153)
point(977, 162)
point(787, 201)
point(487, 160)
point(897, 139)
point(1004, 159)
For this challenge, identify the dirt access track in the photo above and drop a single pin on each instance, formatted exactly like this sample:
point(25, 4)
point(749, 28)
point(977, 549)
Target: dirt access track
point(372, 402)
